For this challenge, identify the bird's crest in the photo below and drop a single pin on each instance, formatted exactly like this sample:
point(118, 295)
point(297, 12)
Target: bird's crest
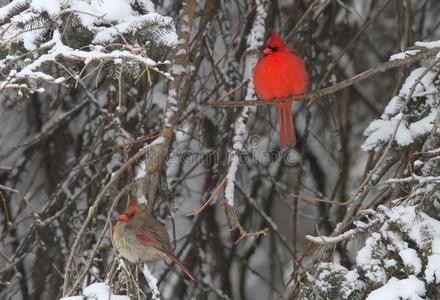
point(276, 42)
point(133, 207)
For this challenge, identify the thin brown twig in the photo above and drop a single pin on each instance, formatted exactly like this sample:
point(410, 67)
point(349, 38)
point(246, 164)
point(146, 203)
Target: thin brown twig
point(317, 199)
point(214, 193)
point(309, 10)
point(351, 42)
point(236, 225)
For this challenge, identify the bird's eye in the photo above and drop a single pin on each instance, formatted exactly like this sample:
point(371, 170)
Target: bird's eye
point(273, 48)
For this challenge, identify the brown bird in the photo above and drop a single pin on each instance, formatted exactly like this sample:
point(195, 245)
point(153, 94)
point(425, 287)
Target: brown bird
point(140, 238)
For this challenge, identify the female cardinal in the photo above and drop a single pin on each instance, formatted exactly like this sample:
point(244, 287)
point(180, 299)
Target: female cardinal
point(279, 74)
point(139, 237)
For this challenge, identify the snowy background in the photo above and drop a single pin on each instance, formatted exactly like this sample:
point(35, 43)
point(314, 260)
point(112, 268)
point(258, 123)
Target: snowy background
point(97, 93)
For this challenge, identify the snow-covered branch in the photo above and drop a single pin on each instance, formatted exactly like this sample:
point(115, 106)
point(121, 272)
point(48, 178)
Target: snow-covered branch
point(79, 32)
point(255, 40)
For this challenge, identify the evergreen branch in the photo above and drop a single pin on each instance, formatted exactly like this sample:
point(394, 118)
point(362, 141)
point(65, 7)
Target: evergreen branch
point(12, 9)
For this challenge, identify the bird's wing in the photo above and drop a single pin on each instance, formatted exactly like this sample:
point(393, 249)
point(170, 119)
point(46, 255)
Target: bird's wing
point(150, 236)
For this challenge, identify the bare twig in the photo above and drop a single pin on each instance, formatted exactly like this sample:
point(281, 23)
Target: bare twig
point(235, 224)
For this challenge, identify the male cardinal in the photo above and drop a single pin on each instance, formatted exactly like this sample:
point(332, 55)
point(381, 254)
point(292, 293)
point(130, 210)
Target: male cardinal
point(281, 73)
point(139, 237)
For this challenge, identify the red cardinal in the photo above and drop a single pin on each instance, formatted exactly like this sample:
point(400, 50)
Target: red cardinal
point(139, 237)
point(279, 74)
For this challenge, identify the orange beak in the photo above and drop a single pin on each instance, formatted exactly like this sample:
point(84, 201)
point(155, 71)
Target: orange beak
point(123, 217)
point(267, 51)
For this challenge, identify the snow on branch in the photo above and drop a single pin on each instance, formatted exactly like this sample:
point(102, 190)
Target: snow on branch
point(396, 289)
point(415, 179)
point(240, 130)
point(152, 282)
point(407, 239)
point(359, 227)
point(97, 291)
point(36, 33)
point(399, 121)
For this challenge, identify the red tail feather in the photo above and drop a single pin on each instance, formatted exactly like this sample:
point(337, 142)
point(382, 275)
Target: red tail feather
point(287, 131)
point(181, 266)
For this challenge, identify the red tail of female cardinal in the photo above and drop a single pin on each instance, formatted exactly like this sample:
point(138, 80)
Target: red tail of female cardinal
point(279, 74)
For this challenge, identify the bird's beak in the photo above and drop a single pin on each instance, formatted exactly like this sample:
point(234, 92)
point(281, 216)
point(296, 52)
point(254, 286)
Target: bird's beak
point(267, 51)
point(123, 217)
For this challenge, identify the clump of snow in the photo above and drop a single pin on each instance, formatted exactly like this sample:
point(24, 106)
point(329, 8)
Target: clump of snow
point(403, 55)
point(336, 280)
point(148, 5)
point(423, 125)
point(430, 45)
point(112, 10)
point(351, 283)
point(365, 255)
point(152, 282)
point(172, 101)
point(29, 38)
point(432, 272)
point(84, 12)
point(128, 23)
point(51, 6)
point(97, 291)
point(424, 84)
point(411, 259)
point(170, 39)
point(410, 288)
point(381, 131)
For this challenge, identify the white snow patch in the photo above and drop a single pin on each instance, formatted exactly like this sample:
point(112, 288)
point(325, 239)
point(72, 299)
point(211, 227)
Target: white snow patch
point(152, 282)
point(410, 288)
point(432, 272)
point(148, 5)
point(403, 55)
point(84, 12)
point(97, 291)
point(430, 45)
point(112, 10)
point(380, 131)
point(51, 6)
point(411, 259)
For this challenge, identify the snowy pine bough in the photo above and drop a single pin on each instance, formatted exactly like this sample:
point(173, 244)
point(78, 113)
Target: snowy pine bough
point(414, 108)
point(400, 258)
point(404, 248)
point(78, 36)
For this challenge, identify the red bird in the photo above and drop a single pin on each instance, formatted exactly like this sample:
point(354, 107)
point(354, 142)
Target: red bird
point(279, 74)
